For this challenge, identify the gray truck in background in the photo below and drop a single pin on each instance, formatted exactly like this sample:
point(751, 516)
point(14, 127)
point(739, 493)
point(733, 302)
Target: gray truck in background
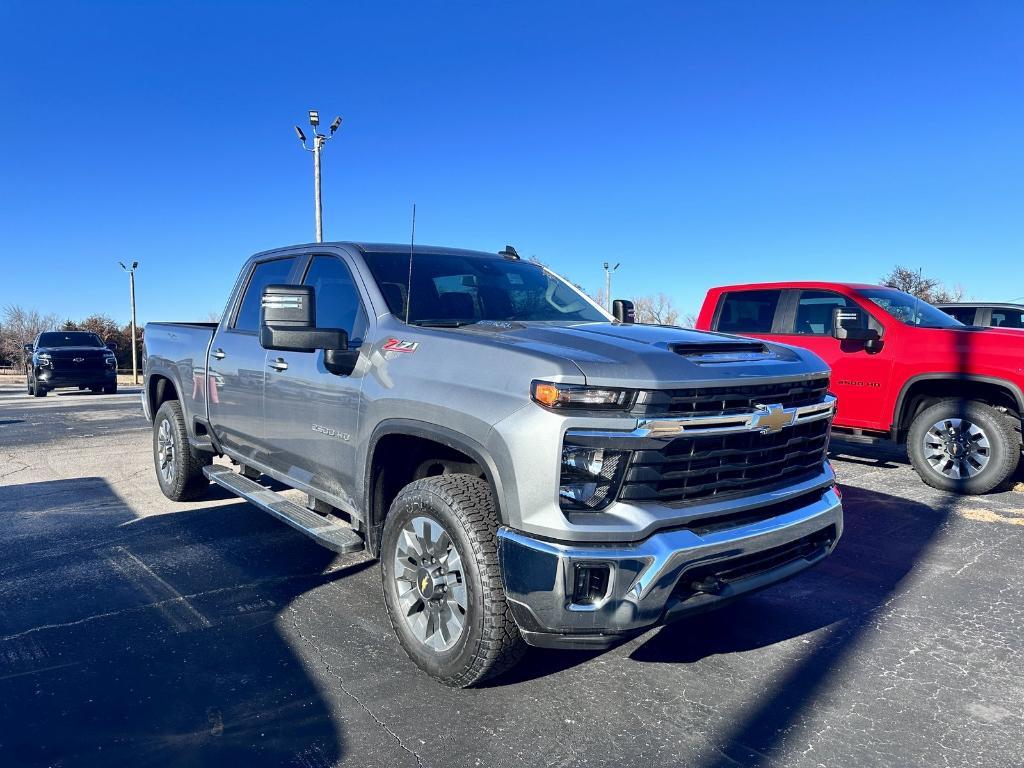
point(528, 469)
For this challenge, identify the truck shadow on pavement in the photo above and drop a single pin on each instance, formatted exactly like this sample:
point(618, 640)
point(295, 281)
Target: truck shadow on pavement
point(884, 539)
point(153, 641)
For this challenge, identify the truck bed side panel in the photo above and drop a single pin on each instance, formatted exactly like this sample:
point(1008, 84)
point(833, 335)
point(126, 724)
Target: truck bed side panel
point(178, 351)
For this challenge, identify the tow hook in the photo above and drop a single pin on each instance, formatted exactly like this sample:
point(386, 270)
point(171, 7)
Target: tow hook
point(710, 585)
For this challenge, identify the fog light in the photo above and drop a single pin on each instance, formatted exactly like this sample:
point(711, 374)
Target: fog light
point(589, 460)
point(590, 583)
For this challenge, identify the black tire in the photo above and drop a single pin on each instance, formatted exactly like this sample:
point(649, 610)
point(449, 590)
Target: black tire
point(37, 390)
point(489, 643)
point(931, 457)
point(28, 383)
point(110, 389)
point(184, 480)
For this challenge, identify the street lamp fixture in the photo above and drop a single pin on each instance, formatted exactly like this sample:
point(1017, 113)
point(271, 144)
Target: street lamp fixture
point(318, 141)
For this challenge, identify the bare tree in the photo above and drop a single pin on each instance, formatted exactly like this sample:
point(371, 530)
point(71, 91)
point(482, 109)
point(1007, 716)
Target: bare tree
point(925, 288)
point(20, 326)
point(655, 310)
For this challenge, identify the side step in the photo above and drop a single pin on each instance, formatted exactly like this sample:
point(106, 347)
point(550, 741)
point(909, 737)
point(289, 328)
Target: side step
point(334, 535)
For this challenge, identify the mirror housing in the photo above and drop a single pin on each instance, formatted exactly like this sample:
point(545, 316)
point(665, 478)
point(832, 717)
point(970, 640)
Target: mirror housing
point(851, 324)
point(111, 346)
point(288, 322)
point(29, 348)
point(623, 311)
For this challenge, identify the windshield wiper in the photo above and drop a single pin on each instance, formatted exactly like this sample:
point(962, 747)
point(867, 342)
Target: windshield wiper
point(442, 323)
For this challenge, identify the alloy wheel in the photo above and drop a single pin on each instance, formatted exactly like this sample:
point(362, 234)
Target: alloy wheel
point(430, 583)
point(957, 448)
point(165, 452)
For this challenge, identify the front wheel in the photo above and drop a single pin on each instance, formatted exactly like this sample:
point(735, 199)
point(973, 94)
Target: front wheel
point(110, 389)
point(442, 585)
point(178, 471)
point(36, 389)
point(967, 447)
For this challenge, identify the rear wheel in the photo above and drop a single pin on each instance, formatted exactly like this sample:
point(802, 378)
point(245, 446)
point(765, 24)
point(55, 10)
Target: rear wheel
point(178, 471)
point(967, 447)
point(442, 585)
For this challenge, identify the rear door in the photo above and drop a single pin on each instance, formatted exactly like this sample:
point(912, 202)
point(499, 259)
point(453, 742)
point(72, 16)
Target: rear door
point(311, 414)
point(237, 366)
point(1007, 317)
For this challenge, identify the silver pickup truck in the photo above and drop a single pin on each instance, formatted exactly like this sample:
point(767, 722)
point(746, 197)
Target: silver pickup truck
point(529, 469)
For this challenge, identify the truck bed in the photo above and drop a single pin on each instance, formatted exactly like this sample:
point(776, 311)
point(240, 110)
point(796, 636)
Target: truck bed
point(181, 350)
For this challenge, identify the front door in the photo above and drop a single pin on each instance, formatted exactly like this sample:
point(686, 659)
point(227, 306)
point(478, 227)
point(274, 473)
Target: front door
point(860, 375)
point(311, 414)
point(238, 366)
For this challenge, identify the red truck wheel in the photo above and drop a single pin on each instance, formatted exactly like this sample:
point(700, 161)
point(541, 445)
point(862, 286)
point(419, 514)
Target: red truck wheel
point(967, 447)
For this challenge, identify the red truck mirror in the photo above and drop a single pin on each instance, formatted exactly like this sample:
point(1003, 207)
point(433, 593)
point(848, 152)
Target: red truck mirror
point(851, 324)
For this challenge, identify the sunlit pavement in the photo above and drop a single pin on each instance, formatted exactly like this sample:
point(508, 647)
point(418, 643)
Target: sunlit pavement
point(135, 631)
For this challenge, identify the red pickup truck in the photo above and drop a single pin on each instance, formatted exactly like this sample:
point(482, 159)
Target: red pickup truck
point(902, 369)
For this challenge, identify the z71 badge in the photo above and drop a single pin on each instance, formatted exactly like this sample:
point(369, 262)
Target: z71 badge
point(397, 345)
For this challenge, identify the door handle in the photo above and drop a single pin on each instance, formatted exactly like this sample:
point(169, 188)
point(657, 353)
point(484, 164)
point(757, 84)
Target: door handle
point(279, 364)
point(219, 353)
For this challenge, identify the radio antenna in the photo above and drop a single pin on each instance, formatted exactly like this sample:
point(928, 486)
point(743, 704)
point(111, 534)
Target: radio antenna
point(412, 247)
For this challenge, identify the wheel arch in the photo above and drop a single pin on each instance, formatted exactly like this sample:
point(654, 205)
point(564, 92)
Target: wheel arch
point(918, 392)
point(376, 499)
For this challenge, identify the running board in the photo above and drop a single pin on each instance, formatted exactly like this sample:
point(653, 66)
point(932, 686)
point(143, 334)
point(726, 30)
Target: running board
point(329, 533)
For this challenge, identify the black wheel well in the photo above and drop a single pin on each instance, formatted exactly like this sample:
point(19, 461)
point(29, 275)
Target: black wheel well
point(926, 392)
point(397, 460)
point(159, 390)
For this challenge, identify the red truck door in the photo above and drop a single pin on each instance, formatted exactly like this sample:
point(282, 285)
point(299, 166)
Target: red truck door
point(803, 318)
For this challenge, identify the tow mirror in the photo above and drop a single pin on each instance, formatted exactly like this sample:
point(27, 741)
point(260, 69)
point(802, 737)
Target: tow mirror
point(851, 324)
point(29, 349)
point(623, 311)
point(111, 346)
point(288, 322)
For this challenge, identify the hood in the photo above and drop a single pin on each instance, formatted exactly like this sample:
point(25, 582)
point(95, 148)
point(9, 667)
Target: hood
point(652, 356)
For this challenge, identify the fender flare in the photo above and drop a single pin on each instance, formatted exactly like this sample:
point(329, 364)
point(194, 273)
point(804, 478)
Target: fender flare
point(1009, 386)
point(438, 434)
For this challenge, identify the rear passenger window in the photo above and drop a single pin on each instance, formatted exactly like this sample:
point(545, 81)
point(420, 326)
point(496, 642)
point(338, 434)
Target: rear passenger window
point(337, 299)
point(748, 311)
point(964, 314)
point(266, 273)
point(1007, 318)
point(814, 312)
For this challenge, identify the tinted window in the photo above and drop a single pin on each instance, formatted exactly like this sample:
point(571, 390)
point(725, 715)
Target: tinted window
point(964, 314)
point(337, 299)
point(814, 312)
point(69, 339)
point(456, 288)
point(908, 309)
point(266, 273)
point(1008, 318)
point(748, 311)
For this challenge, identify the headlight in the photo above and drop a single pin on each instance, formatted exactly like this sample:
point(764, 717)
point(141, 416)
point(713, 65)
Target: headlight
point(580, 396)
point(45, 359)
point(110, 360)
point(590, 477)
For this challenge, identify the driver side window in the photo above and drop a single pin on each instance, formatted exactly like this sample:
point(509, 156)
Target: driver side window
point(338, 304)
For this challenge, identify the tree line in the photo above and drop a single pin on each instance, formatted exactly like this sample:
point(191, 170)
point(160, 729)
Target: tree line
point(20, 326)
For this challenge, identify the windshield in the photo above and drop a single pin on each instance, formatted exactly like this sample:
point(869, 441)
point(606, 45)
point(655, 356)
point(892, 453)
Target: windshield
point(69, 339)
point(910, 309)
point(453, 289)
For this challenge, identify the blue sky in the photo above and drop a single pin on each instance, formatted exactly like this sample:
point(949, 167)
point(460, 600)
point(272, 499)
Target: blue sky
point(695, 143)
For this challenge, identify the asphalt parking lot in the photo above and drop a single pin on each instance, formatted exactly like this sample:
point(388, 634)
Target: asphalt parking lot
point(135, 631)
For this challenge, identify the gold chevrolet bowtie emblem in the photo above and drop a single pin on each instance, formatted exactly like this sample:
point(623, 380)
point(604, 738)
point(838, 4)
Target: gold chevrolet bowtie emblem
point(423, 584)
point(772, 418)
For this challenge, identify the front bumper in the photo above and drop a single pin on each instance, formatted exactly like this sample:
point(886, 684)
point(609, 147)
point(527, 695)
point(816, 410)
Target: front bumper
point(670, 574)
point(52, 380)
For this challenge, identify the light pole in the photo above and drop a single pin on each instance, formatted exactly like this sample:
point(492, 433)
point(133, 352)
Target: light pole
point(319, 139)
point(608, 285)
point(131, 279)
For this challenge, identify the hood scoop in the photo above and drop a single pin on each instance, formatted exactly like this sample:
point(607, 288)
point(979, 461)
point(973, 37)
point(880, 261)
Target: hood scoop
point(705, 353)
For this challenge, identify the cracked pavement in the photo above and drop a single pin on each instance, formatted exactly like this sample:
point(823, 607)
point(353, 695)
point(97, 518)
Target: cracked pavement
point(137, 631)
